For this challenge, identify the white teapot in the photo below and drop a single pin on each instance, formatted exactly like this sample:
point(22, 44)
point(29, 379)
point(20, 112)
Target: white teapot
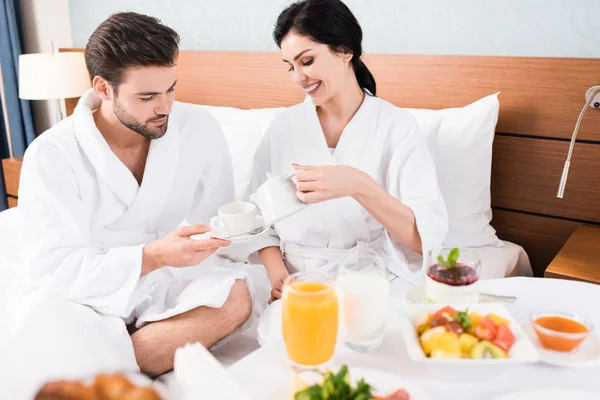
point(277, 199)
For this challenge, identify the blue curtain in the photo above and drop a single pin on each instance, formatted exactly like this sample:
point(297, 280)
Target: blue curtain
point(19, 111)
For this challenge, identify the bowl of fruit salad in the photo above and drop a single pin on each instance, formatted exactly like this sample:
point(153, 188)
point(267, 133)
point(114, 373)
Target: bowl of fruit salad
point(478, 342)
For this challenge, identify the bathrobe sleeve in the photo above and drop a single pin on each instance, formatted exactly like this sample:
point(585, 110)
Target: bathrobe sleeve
point(55, 233)
point(260, 167)
point(412, 179)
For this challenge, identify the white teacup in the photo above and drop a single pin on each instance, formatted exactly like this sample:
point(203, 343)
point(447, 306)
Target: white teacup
point(235, 218)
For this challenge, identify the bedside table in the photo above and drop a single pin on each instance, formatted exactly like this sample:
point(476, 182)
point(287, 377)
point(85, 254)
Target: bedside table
point(12, 174)
point(579, 258)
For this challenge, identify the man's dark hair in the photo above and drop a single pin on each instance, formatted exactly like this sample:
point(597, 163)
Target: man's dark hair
point(129, 40)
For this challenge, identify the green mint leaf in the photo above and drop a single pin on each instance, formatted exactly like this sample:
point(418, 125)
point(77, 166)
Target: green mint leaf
point(453, 257)
point(463, 318)
point(442, 262)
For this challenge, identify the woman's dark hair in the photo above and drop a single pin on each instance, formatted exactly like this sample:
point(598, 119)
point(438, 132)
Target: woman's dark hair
point(126, 40)
point(327, 22)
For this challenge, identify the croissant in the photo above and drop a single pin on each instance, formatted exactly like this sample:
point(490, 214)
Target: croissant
point(65, 390)
point(142, 393)
point(104, 387)
point(109, 387)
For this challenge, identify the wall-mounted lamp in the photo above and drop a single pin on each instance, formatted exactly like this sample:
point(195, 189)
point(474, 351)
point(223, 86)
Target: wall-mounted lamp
point(592, 97)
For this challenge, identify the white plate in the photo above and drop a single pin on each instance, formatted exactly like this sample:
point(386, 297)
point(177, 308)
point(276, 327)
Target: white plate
point(523, 351)
point(549, 395)
point(587, 355)
point(221, 233)
point(384, 383)
point(416, 295)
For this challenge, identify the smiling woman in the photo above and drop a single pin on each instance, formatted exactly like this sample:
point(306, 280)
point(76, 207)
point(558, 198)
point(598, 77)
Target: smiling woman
point(313, 36)
point(355, 156)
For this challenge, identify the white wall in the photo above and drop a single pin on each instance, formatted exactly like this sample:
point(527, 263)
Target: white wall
point(544, 28)
point(45, 21)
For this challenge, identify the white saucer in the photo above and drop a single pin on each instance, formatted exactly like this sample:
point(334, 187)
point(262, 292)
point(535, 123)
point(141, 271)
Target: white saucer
point(383, 381)
point(587, 355)
point(552, 394)
point(416, 295)
point(221, 233)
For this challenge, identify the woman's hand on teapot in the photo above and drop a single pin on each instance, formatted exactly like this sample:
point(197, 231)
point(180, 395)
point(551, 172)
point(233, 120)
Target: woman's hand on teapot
point(326, 182)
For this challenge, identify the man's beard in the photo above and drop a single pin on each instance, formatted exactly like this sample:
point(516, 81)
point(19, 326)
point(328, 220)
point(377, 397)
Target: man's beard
point(154, 132)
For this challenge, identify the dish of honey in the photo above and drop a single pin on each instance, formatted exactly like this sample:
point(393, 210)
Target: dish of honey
point(560, 333)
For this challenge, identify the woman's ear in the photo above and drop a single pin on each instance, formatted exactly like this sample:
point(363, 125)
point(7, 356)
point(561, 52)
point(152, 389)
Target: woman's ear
point(345, 53)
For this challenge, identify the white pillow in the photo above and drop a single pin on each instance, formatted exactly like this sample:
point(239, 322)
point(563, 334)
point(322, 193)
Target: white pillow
point(243, 130)
point(462, 152)
point(464, 167)
point(429, 124)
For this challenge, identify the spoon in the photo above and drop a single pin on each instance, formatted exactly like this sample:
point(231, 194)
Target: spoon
point(253, 232)
point(506, 299)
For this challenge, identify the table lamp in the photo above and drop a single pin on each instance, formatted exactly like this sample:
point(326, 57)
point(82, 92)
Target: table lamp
point(592, 97)
point(53, 76)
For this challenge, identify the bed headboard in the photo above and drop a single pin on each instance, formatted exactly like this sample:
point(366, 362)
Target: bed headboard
point(539, 104)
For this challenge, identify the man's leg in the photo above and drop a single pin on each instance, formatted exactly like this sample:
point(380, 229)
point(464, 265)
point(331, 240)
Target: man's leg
point(155, 343)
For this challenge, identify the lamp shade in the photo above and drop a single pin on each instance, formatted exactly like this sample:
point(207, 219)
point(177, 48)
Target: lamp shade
point(45, 76)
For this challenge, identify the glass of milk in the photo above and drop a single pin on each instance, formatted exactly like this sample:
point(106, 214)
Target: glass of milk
point(363, 296)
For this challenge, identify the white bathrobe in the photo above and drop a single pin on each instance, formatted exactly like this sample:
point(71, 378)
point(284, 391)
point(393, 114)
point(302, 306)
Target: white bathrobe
point(84, 223)
point(381, 140)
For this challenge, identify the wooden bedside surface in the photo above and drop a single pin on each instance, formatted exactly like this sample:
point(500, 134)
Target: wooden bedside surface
point(579, 259)
point(12, 174)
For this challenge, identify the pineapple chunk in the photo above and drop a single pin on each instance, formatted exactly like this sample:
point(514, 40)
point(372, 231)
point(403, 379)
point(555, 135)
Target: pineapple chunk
point(429, 338)
point(447, 342)
point(467, 342)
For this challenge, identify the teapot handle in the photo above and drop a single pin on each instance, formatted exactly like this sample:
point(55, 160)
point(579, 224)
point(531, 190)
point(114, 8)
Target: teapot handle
point(253, 198)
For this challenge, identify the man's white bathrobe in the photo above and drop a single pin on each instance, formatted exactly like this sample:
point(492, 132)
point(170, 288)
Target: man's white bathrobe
point(381, 140)
point(84, 222)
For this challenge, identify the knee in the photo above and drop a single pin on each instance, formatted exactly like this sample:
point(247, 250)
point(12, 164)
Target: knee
point(238, 307)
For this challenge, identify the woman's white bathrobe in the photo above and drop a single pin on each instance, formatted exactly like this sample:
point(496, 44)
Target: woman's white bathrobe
point(381, 140)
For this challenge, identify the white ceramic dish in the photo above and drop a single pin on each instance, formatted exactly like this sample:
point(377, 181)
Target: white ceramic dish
point(549, 395)
point(586, 355)
point(384, 383)
point(416, 295)
point(221, 233)
point(522, 352)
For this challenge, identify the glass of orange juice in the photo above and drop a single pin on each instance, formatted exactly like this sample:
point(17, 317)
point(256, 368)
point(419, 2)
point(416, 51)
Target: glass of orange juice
point(309, 318)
